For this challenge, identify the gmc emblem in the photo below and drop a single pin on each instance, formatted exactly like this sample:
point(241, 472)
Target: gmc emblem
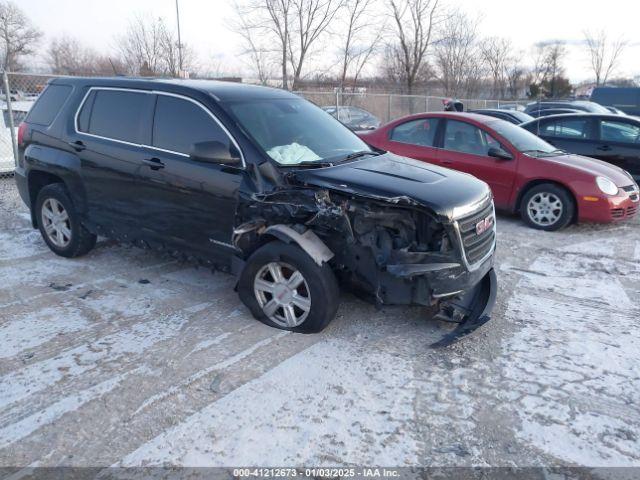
point(484, 225)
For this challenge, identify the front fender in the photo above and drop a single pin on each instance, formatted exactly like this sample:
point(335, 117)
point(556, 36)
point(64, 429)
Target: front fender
point(308, 241)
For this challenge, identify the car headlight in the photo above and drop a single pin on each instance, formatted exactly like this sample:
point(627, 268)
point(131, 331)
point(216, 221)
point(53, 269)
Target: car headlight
point(607, 186)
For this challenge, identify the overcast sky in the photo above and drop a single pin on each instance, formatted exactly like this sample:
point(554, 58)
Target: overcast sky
point(204, 25)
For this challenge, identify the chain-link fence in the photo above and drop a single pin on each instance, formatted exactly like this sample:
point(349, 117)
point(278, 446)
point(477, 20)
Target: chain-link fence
point(19, 91)
point(387, 107)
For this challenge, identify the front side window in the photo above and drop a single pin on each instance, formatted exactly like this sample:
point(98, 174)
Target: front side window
point(420, 132)
point(179, 124)
point(466, 138)
point(114, 114)
point(622, 132)
point(293, 131)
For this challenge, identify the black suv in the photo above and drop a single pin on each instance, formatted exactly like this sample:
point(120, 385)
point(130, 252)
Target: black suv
point(262, 183)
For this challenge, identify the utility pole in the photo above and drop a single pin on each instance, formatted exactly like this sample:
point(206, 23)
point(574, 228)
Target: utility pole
point(179, 40)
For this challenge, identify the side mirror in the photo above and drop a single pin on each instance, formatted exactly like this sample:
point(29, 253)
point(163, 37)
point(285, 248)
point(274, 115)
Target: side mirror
point(499, 153)
point(215, 152)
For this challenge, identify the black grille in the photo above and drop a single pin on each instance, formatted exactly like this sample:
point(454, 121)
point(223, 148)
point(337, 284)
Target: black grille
point(633, 192)
point(476, 247)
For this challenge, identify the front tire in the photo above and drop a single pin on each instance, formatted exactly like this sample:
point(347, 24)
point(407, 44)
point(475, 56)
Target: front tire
point(547, 207)
point(60, 224)
point(284, 288)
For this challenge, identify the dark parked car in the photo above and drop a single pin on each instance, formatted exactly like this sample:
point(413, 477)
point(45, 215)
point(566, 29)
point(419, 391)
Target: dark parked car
point(615, 111)
point(513, 116)
point(581, 105)
point(552, 111)
point(260, 182)
point(625, 99)
point(354, 118)
point(612, 138)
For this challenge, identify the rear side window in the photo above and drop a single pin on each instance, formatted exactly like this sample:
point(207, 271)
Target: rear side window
point(569, 128)
point(49, 104)
point(179, 124)
point(115, 114)
point(416, 132)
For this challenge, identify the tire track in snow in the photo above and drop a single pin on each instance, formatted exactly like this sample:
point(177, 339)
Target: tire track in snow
point(331, 400)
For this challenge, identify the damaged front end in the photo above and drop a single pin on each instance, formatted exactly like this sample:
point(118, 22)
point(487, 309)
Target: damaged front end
point(388, 251)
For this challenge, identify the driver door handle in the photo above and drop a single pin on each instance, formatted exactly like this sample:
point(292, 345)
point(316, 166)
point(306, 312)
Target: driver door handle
point(78, 146)
point(605, 148)
point(153, 163)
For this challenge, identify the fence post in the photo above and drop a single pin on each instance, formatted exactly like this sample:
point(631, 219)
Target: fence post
point(7, 96)
point(389, 107)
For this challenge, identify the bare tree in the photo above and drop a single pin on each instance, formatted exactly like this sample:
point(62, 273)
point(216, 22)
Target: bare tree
point(414, 24)
point(255, 48)
point(141, 46)
point(312, 18)
point(291, 29)
point(604, 54)
point(149, 48)
point(18, 37)
point(266, 27)
point(497, 55)
point(361, 39)
point(457, 56)
point(548, 69)
point(65, 56)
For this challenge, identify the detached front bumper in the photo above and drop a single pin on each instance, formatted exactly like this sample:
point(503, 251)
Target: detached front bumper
point(470, 310)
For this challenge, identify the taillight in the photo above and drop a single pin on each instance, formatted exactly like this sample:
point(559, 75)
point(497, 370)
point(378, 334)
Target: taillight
point(22, 131)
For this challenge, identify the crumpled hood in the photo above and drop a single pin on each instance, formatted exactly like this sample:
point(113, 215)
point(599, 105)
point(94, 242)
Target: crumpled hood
point(593, 166)
point(400, 180)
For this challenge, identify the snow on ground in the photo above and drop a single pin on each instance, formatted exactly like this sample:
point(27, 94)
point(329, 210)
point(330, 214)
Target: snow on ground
point(129, 358)
point(581, 348)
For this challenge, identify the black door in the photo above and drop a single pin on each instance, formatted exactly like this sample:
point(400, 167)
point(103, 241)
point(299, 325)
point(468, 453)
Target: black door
point(185, 202)
point(619, 144)
point(111, 125)
point(572, 134)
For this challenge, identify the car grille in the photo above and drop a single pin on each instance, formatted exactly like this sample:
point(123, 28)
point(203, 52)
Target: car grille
point(477, 247)
point(632, 190)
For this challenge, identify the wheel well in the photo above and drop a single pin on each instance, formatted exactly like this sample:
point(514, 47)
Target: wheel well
point(535, 183)
point(37, 181)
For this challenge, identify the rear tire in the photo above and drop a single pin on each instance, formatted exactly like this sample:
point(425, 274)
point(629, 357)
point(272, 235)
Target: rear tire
point(284, 288)
point(547, 207)
point(60, 224)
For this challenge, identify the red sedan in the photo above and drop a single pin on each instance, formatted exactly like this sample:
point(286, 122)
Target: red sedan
point(548, 187)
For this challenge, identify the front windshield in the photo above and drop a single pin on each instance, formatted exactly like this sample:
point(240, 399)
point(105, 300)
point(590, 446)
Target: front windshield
point(293, 131)
point(523, 140)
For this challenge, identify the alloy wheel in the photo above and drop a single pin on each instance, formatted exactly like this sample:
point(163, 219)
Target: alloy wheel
point(283, 294)
point(56, 222)
point(545, 209)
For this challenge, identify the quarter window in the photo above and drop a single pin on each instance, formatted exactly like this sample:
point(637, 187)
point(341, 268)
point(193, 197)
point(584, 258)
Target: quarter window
point(466, 138)
point(115, 114)
point(623, 132)
point(179, 124)
point(420, 132)
point(49, 104)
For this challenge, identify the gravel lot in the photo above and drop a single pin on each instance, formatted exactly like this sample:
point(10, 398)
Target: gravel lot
point(131, 358)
